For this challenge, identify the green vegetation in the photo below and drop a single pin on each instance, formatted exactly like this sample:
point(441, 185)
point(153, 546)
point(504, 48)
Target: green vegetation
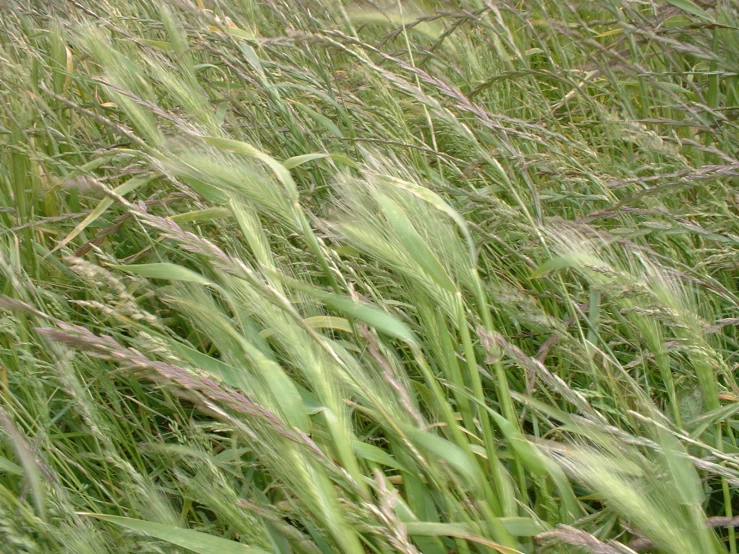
point(325, 276)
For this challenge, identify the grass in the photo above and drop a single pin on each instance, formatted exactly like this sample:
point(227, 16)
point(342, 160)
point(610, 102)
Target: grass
point(322, 276)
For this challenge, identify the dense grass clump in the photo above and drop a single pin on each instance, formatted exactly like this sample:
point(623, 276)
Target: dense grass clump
point(328, 276)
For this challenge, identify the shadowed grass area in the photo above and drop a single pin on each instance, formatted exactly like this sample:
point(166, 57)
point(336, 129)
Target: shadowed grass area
point(324, 276)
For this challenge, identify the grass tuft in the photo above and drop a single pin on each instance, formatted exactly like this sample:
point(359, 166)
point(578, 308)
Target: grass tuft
point(315, 277)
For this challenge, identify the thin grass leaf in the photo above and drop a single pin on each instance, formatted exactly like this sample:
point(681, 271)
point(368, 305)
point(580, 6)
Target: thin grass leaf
point(105, 203)
point(205, 214)
point(376, 318)
point(538, 464)
point(170, 272)
point(516, 526)
point(7, 466)
point(426, 529)
point(414, 244)
point(329, 322)
point(321, 119)
point(31, 469)
point(440, 204)
point(238, 147)
point(449, 453)
point(691, 8)
point(374, 454)
point(219, 369)
point(296, 161)
point(194, 541)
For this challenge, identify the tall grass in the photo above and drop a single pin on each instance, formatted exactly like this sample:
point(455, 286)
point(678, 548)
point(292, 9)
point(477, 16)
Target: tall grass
point(322, 276)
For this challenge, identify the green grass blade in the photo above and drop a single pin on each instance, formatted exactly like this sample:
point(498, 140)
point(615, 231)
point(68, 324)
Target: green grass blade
point(194, 541)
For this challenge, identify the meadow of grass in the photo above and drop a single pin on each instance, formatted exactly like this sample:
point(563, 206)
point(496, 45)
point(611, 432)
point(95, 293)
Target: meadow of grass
point(333, 276)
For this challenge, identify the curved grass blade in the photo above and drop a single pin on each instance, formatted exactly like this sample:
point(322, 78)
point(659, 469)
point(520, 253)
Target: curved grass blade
point(192, 540)
point(105, 203)
point(171, 272)
point(414, 243)
point(430, 197)
point(381, 320)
